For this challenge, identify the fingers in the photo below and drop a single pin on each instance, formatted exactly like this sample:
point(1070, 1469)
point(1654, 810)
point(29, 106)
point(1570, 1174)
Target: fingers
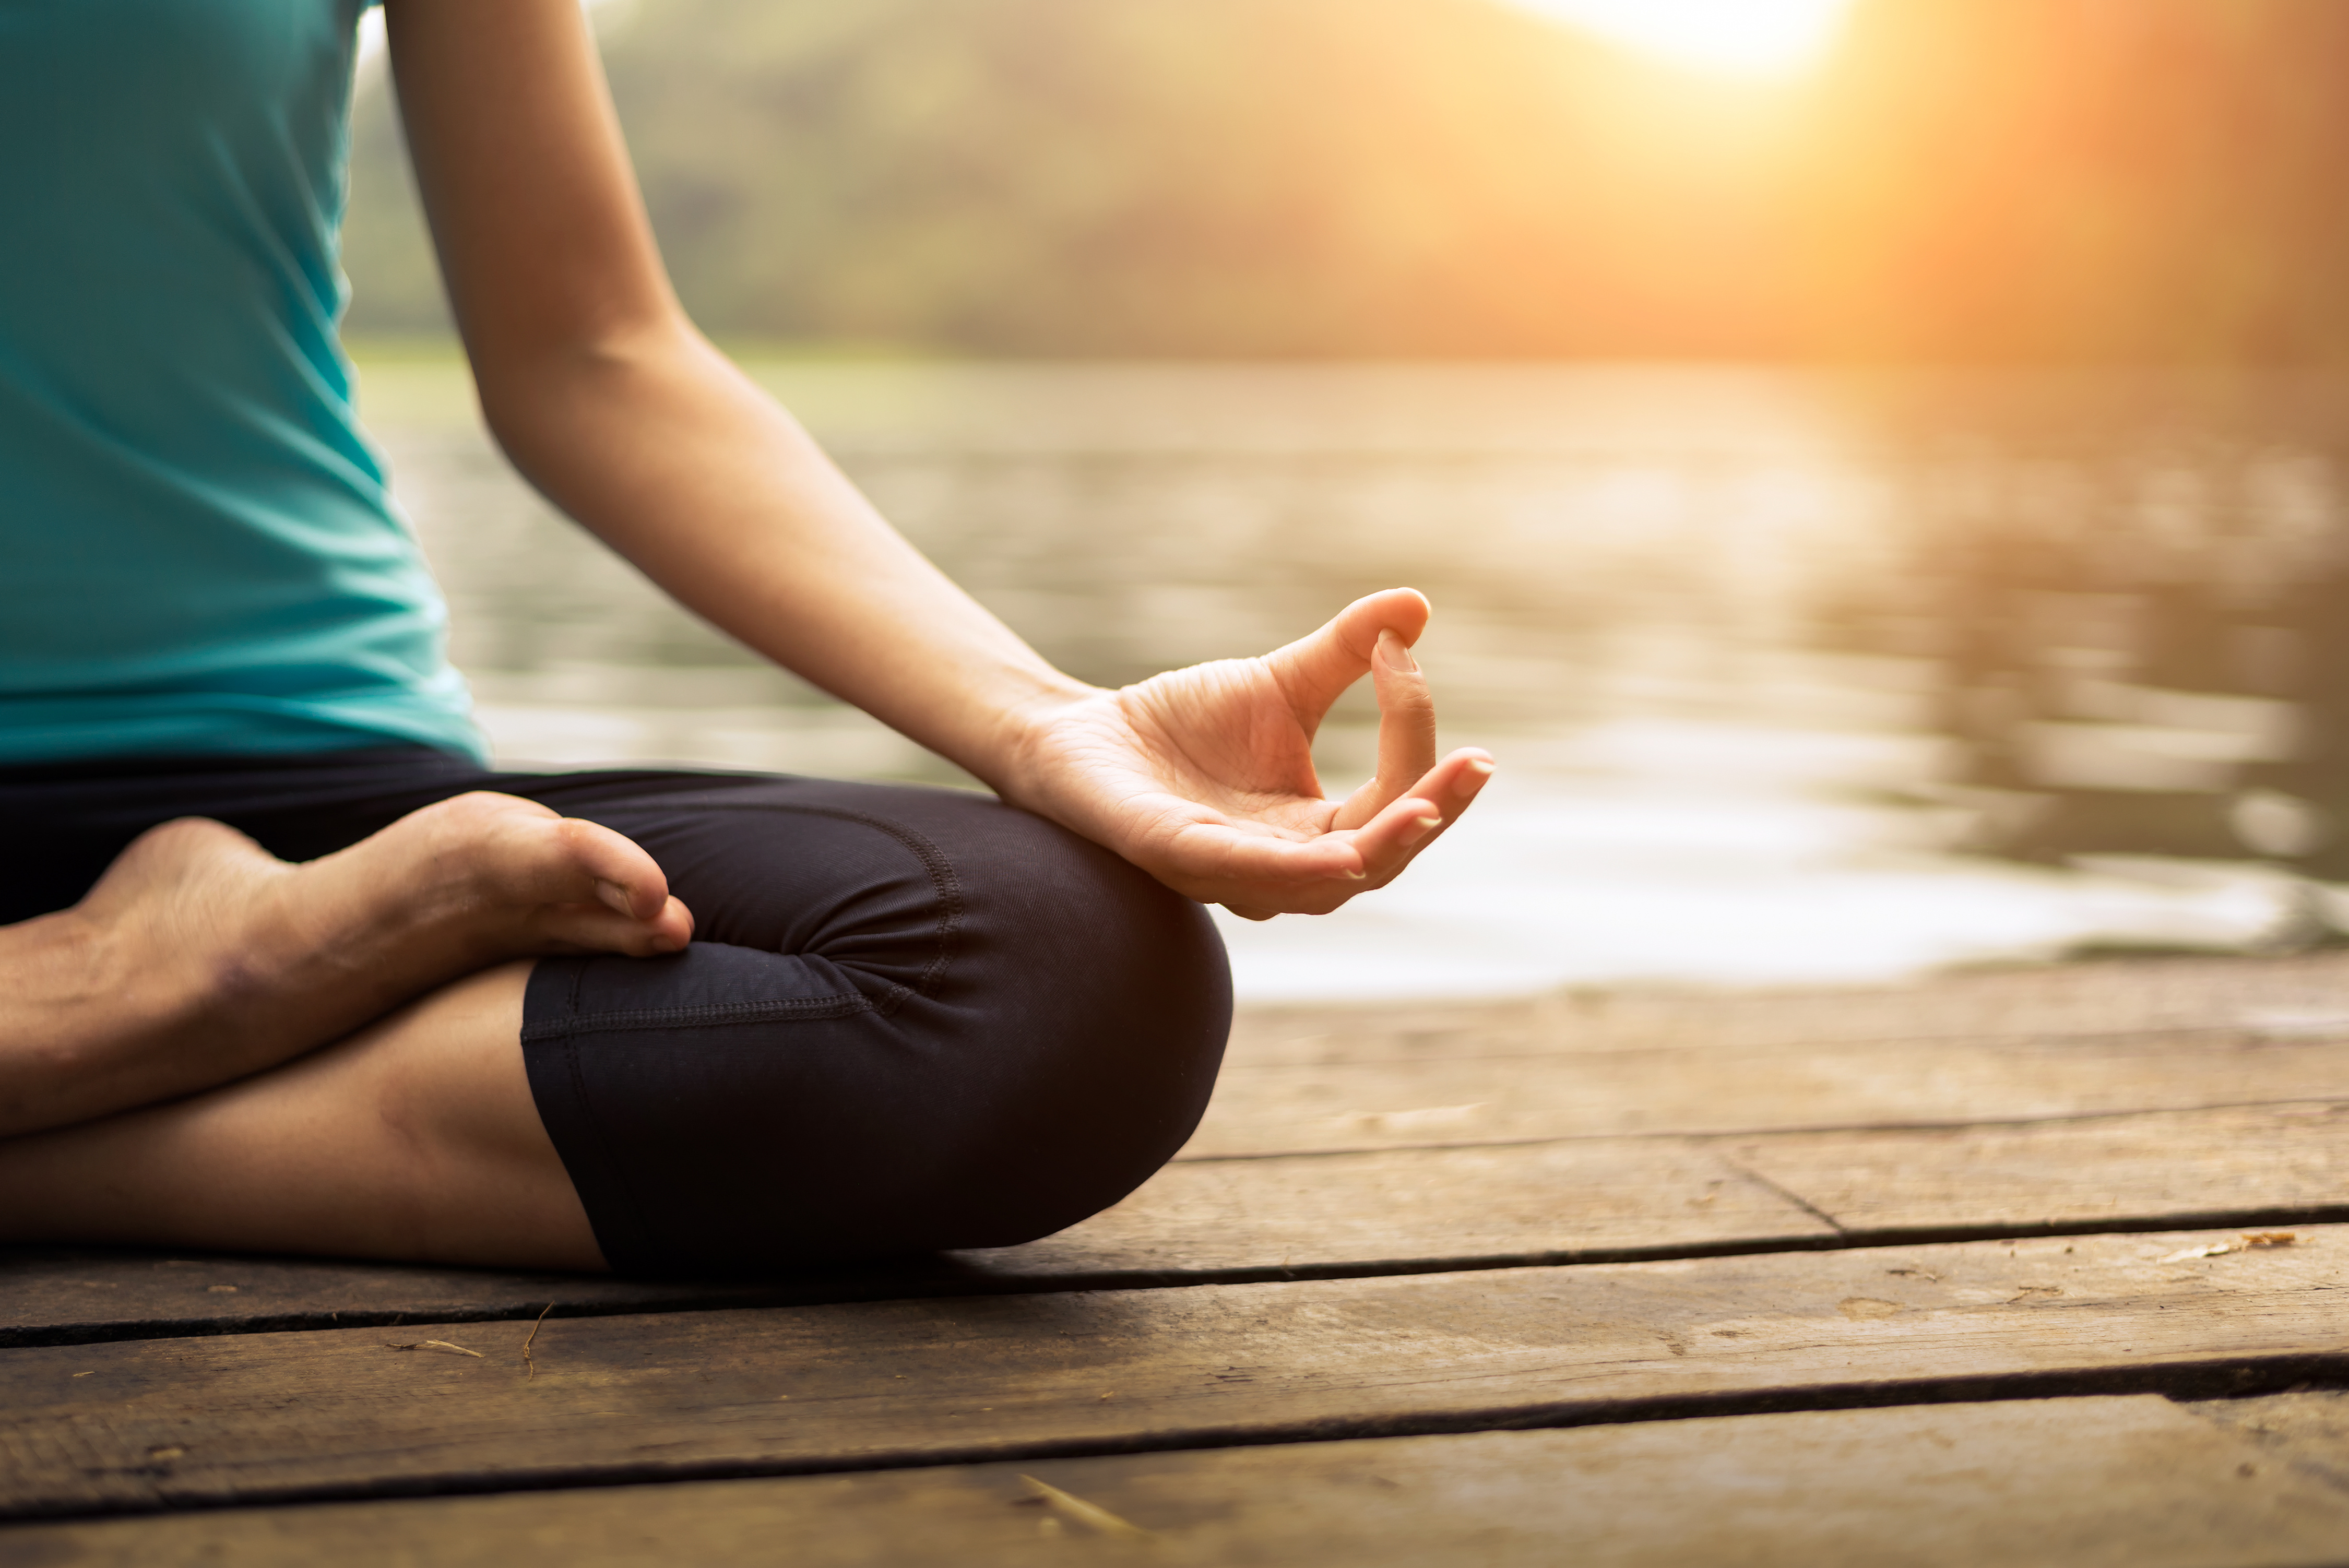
point(1217, 864)
point(1406, 732)
point(1315, 669)
point(1406, 826)
point(1391, 839)
point(1257, 876)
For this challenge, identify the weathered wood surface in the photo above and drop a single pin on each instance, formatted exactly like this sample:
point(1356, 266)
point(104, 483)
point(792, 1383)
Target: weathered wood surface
point(2132, 1482)
point(2272, 996)
point(1708, 1090)
point(1258, 1218)
point(2308, 1429)
point(2074, 1175)
point(1367, 1213)
point(278, 1416)
point(2088, 1101)
point(1318, 1215)
point(50, 1296)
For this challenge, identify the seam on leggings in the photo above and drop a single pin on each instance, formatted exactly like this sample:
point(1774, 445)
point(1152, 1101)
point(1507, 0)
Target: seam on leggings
point(933, 861)
point(710, 1016)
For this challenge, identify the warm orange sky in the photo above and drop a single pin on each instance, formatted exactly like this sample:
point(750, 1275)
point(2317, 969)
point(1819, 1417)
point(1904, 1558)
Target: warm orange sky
point(1754, 38)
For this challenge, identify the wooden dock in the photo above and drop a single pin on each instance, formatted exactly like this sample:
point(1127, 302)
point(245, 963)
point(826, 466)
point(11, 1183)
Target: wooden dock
point(2028, 1267)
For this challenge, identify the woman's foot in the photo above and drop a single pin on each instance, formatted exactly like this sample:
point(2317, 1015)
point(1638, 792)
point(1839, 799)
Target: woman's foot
point(198, 957)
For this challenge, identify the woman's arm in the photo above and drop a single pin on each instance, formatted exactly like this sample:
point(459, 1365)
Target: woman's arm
point(609, 399)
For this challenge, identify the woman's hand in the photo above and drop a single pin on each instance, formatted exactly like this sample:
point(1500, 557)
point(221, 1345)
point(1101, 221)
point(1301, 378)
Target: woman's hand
point(1203, 777)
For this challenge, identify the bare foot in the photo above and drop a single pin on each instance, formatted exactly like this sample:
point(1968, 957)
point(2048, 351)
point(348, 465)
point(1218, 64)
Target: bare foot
point(200, 957)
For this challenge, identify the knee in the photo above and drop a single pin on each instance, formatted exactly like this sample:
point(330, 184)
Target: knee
point(955, 1026)
point(1107, 1003)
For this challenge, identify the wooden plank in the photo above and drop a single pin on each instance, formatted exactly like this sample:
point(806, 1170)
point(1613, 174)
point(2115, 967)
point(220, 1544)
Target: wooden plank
point(1488, 1099)
point(1241, 1219)
point(2278, 1159)
point(2308, 1429)
point(269, 1418)
point(1359, 1213)
point(2131, 1483)
point(2296, 996)
point(1405, 1211)
point(1320, 1216)
point(1415, 1208)
point(59, 1295)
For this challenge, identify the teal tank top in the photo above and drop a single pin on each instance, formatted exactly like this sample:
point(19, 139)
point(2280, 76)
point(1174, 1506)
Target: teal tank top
point(199, 551)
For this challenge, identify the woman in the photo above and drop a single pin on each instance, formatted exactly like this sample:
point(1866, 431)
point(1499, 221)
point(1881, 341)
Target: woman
point(291, 970)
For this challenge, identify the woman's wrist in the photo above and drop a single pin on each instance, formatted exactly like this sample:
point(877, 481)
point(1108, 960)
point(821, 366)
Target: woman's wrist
point(1030, 750)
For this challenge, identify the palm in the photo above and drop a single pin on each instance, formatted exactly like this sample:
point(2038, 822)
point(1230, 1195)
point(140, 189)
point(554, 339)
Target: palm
point(1205, 776)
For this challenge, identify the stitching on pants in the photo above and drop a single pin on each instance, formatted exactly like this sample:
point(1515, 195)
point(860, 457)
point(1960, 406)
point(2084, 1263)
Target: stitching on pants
point(712, 1015)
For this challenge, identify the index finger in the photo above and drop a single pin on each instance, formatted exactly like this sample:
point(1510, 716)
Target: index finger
point(1406, 732)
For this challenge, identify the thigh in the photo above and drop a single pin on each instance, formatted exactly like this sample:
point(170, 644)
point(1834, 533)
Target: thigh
point(911, 1019)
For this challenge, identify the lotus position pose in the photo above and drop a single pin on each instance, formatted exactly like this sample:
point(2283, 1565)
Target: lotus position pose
point(285, 966)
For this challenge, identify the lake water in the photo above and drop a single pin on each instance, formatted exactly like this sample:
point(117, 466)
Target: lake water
point(1793, 677)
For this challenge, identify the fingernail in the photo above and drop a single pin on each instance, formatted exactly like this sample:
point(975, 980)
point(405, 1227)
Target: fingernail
point(1423, 826)
point(614, 895)
point(1355, 876)
point(1397, 653)
point(1480, 764)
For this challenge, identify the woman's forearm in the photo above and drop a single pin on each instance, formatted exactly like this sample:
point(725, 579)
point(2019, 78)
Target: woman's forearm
point(670, 454)
point(609, 399)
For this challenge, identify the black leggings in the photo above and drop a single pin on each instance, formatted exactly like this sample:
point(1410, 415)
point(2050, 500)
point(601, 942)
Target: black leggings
point(911, 1019)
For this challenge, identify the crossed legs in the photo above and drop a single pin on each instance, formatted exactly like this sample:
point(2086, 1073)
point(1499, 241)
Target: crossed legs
point(159, 1042)
point(917, 1019)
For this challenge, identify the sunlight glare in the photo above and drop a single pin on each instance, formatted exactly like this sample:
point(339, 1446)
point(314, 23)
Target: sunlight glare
point(1774, 38)
point(371, 36)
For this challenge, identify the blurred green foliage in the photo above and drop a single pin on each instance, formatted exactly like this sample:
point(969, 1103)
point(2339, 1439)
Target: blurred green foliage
point(2036, 179)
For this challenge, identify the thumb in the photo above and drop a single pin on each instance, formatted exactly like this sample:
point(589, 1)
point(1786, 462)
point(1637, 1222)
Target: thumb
point(1315, 670)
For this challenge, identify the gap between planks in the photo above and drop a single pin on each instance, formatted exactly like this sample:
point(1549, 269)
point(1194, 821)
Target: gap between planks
point(1335, 1207)
point(926, 1288)
point(698, 1396)
point(1373, 1215)
point(2090, 1482)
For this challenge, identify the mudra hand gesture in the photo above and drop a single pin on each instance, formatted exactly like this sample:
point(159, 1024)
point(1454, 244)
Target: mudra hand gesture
point(1203, 777)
